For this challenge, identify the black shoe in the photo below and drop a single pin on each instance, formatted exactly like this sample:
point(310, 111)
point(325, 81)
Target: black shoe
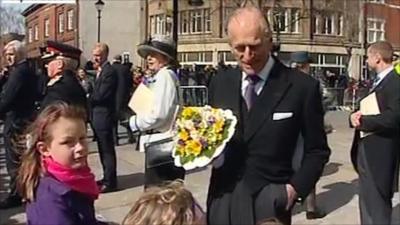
point(10, 202)
point(107, 188)
point(317, 214)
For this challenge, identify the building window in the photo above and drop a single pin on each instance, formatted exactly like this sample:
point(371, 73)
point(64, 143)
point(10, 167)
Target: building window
point(70, 19)
point(322, 63)
point(160, 24)
point(285, 20)
point(226, 57)
point(340, 25)
point(280, 19)
point(199, 58)
point(376, 30)
point(328, 24)
point(294, 20)
point(36, 31)
point(61, 23)
point(46, 27)
point(30, 35)
point(207, 20)
point(315, 24)
point(168, 25)
point(196, 23)
point(183, 22)
point(152, 25)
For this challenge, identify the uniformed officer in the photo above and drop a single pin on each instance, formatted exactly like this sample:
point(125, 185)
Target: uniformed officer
point(63, 84)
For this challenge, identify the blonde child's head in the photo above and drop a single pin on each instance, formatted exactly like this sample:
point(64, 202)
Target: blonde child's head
point(270, 221)
point(59, 132)
point(171, 204)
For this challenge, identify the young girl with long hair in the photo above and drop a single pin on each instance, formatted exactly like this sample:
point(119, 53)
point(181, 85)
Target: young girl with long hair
point(54, 178)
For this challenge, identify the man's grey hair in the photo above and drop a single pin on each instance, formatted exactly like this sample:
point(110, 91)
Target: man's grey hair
point(19, 48)
point(262, 22)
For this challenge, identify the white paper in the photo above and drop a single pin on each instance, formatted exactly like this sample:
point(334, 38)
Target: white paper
point(142, 100)
point(369, 106)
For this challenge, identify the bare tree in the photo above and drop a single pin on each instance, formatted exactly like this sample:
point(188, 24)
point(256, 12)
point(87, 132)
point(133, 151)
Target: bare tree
point(11, 20)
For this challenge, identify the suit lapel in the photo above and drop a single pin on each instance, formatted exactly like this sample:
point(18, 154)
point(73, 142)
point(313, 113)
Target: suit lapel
point(234, 90)
point(275, 88)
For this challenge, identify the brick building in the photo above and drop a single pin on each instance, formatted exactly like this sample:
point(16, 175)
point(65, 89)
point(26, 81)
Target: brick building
point(49, 22)
point(382, 19)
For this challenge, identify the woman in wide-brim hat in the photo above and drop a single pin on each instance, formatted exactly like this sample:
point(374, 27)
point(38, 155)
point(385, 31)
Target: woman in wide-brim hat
point(160, 54)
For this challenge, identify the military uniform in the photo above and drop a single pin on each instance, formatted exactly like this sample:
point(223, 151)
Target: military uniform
point(65, 86)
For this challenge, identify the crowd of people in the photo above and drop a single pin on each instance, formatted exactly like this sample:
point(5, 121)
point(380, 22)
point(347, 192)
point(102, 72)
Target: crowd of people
point(274, 159)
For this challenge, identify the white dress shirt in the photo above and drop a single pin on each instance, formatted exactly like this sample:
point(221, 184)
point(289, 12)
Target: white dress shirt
point(264, 73)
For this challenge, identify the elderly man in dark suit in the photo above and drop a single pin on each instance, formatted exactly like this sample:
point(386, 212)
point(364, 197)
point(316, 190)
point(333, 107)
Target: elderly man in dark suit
point(63, 85)
point(376, 156)
point(273, 105)
point(104, 117)
point(17, 104)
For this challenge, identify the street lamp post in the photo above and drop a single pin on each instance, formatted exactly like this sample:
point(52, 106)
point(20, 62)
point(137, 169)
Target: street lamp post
point(99, 6)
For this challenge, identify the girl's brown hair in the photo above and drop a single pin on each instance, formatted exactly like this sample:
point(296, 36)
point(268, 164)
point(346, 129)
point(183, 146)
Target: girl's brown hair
point(31, 169)
point(171, 204)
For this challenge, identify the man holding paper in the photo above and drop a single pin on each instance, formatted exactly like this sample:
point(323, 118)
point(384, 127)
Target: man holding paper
point(375, 149)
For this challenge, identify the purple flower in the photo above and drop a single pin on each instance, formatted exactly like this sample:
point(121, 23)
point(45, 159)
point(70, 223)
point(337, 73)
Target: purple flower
point(203, 142)
point(181, 142)
point(211, 121)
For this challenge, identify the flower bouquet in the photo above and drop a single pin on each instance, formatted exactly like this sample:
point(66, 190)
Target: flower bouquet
point(202, 133)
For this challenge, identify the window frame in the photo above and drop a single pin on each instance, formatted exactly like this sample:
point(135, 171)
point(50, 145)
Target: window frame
point(70, 20)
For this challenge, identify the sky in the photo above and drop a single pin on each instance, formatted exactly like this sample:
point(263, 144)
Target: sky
point(11, 19)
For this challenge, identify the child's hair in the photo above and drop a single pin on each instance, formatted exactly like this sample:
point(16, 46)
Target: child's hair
point(270, 221)
point(31, 166)
point(171, 204)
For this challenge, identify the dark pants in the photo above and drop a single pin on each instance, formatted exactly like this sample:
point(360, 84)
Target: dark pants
point(374, 207)
point(128, 131)
point(340, 97)
point(103, 127)
point(14, 146)
point(242, 207)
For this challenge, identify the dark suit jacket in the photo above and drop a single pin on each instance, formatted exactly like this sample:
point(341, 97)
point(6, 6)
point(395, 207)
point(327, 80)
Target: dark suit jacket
point(382, 148)
point(262, 149)
point(124, 88)
point(19, 94)
point(66, 89)
point(104, 96)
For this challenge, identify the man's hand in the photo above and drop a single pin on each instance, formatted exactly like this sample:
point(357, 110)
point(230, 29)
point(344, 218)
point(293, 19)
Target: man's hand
point(292, 195)
point(355, 119)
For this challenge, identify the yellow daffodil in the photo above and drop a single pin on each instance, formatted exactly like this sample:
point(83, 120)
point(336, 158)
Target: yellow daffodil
point(187, 112)
point(183, 135)
point(219, 125)
point(194, 147)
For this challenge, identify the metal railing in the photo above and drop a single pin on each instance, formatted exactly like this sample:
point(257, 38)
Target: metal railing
point(345, 98)
point(193, 95)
